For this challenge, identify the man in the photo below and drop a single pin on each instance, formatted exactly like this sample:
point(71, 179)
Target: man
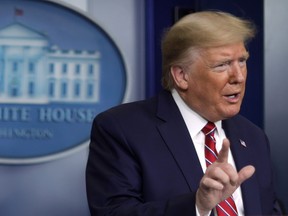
point(150, 157)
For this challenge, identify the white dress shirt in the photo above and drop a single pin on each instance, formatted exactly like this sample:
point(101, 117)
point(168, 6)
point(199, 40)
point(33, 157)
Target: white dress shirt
point(195, 123)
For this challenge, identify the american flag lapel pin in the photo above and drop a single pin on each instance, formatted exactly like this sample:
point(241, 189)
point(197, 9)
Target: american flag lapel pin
point(242, 143)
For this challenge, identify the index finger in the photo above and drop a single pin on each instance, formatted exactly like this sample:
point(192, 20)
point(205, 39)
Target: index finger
point(223, 154)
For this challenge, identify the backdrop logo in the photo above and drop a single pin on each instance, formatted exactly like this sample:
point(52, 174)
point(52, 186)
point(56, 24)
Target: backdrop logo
point(58, 69)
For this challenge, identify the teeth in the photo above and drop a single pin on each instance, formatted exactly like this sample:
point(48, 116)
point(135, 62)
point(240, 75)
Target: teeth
point(232, 96)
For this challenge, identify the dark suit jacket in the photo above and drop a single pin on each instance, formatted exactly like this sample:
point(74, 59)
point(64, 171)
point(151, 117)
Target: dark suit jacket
point(142, 162)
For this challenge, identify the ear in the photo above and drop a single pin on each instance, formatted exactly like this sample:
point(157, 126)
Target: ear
point(179, 76)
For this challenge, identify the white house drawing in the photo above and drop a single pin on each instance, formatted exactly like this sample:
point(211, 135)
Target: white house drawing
point(34, 71)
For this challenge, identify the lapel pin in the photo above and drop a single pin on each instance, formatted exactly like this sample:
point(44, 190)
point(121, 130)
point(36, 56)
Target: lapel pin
point(242, 143)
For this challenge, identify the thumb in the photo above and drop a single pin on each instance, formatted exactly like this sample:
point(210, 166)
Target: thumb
point(245, 173)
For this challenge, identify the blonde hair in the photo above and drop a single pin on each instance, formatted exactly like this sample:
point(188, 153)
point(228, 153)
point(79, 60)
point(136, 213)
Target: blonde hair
point(200, 30)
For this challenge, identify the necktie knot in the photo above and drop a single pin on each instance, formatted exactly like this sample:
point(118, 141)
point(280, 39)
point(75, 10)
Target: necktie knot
point(211, 154)
point(208, 128)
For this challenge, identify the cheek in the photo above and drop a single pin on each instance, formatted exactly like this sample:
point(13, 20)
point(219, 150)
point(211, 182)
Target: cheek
point(208, 85)
point(217, 87)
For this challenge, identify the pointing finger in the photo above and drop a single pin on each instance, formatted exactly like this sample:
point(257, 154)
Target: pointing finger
point(223, 154)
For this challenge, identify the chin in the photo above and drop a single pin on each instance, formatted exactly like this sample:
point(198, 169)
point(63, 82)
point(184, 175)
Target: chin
point(230, 113)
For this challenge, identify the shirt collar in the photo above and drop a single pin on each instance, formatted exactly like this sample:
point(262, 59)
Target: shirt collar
point(193, 120)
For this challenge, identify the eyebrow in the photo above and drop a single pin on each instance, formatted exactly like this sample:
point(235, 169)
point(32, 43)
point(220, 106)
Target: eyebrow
point(227, 58)
point(247, 55)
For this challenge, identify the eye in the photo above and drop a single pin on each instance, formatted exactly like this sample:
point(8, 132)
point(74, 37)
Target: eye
point(242, 62)
point(222, 66)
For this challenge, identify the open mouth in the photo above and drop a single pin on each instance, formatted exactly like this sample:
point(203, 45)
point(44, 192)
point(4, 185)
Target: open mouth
point(233, 97)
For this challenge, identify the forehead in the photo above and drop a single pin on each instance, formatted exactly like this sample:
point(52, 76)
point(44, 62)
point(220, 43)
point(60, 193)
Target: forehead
point(227, 51)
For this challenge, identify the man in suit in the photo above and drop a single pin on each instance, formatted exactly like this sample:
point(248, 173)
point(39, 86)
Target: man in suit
point(149, 157)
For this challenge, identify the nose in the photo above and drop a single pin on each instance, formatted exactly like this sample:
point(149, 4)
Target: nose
point(237, 73)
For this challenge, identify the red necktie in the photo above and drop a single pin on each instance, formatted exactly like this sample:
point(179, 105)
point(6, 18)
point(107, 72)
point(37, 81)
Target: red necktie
point(226, 207)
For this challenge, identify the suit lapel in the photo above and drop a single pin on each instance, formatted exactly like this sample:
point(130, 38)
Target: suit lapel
point(243, 156)
point(176, 136)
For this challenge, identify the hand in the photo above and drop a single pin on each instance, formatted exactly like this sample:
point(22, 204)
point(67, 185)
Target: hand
point(220, 181)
